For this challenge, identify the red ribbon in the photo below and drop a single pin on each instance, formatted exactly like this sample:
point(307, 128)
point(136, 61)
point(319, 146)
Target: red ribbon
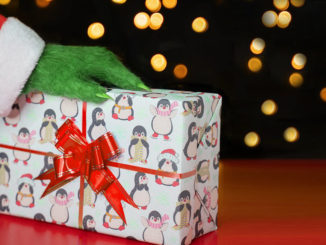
point(87, 160)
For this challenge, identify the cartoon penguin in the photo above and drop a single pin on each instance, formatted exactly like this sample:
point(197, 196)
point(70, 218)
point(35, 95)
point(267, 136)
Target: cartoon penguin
point(69, 108)
point(210, 200)
point(60, 203)
point(112, 220)
point(182, 213)
point(122, 108)
point(190, 149)
point(24, 140)
point(154, 95)
point(168, 160)
point(215, 102)
point(14, 116)
point(214, 134)
point(35, 97)
point(139, 147)
point(4, 169)
point(49, 127)
point(89, 196)
point(155, 225)
point(97, 127)
point(39, 217)
point(161, 122)
point(140, 193)
point(216, 161)
point(203, 173)
point(194, 107)
point(48, 164)
point(207, 139)
point(24, 196)
point(4, 204)
point(89, 223)
point(197, 217)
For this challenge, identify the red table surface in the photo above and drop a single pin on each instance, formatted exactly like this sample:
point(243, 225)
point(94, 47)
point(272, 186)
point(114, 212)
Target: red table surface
point(260, 202)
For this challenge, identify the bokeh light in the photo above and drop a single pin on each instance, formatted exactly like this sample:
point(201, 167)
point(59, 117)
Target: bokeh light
point(257, 45)
point(255, 64)
point(299, 61)
point(281, 4)
point(323, 94)
point(158, 62)
point(180, 71)
point(296, 79)
point(252, 139)
point(200, 24)
point(42, 3)
point(269, 18)
point(156, 21)
point(169, 4)
point(119, 1)
point(291, 134)
point(4, 2)
point(153, 5)
point(297, 3)
point(95, 30)
point(269, 107)
point(141, 20)
point(284, 19)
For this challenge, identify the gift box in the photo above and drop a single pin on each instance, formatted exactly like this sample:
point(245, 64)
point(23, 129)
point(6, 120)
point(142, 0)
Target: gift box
point(165, 170)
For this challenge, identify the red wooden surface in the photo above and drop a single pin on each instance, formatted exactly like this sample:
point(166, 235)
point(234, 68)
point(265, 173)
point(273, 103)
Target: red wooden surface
point(261, 202)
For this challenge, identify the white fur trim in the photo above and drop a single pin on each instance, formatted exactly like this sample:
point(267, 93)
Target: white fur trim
point(169, 157)
point(20, 49)
point(25, 180)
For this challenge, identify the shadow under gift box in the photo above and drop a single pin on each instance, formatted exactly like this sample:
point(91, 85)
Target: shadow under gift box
point(161, 131)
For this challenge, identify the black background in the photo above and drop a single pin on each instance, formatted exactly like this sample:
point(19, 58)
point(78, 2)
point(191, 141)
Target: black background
point(216, 61)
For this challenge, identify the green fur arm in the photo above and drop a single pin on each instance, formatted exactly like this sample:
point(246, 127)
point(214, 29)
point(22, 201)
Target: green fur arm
point(77, 71)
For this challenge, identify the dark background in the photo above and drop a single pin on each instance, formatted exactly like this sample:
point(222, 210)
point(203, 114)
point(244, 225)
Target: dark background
point(216, 61)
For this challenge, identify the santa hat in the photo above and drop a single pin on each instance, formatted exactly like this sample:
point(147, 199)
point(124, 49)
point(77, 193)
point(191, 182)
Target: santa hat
point(20, 49)
point(169, 154)
point(26, 178)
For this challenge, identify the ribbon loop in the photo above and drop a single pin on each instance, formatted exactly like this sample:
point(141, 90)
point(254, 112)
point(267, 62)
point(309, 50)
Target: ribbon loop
point(86, 160)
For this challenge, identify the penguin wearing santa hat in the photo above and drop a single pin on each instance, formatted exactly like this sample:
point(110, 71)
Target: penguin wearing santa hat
point(78, 72)
point(25, 197)
point(168, 160)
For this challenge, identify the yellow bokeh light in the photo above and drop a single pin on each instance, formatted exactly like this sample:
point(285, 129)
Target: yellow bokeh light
point(299, 61)
point(297, 3)
point(269, 107)
point(323, 94)
point(153, 5)
point(158, 62)
point(269, 18)
point(42, 3)
point(252, 139)
point(119, 1)
point(169, 4)
point(291, 134)
point(156, 21)
point(296, 79)
point(255, 64)
point(141, 20)
point(200, 24)
point(284, 19)
point(257, 45)
point(180, 71)
point(281, 4)
point(95, 30)
point(4, 2)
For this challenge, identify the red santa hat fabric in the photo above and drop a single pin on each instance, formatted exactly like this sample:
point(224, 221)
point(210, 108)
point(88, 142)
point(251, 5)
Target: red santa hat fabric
point(26, 178)
point(169, 154)
point(21, 49)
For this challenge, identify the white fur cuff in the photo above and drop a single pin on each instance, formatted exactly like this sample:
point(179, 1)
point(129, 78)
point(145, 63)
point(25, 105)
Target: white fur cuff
point(20, 50)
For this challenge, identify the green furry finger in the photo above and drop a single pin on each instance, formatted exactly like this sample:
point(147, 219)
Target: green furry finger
point(76, 71)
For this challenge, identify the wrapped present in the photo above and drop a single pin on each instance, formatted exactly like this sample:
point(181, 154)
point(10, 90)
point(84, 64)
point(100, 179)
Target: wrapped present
point(72, 163)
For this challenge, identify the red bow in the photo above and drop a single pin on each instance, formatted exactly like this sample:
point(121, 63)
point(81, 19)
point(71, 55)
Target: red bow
point(83, 159)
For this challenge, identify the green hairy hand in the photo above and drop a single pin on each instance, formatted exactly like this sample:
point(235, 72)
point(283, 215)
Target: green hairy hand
point(77, 71)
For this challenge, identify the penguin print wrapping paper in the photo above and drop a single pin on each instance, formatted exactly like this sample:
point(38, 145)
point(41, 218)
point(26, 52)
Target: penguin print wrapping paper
point(163, 130)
